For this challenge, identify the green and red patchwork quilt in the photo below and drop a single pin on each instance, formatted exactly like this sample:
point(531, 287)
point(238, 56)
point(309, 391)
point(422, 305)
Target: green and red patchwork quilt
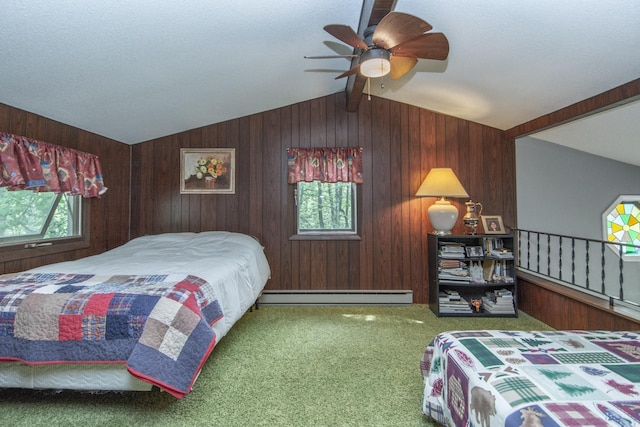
point(533, 378)
point(158, 325)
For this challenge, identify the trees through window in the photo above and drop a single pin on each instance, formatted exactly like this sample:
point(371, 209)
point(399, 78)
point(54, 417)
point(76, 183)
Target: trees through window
point(34, 218)
point(326, 208)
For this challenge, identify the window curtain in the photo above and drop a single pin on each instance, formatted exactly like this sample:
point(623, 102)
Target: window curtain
point(27, 164)
point(324, 164)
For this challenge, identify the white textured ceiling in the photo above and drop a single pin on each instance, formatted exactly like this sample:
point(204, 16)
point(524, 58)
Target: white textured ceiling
point(614, 134)
point(138, 70)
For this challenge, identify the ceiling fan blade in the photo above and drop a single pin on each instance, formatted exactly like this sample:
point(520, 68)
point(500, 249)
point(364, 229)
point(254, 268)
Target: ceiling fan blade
point(331, 56)
point(426, 46)
point(346, 34)
point(401, 65)
point(354, 70)
point(398, 27)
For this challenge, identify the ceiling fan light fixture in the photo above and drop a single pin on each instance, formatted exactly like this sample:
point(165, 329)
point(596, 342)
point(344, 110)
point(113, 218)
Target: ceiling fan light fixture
point(375, 63)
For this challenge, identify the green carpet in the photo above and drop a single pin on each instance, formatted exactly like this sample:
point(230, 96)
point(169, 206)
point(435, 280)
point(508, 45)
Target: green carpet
point(281, 366)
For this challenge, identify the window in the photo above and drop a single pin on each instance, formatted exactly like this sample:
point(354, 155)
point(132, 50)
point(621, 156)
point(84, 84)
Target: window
point(621, 224)
point(325, 208)
point(325, 194)
point(34, 220)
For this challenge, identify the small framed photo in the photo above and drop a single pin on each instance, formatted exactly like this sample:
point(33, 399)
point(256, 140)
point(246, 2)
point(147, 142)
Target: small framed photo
point(474, 251)
point(207, 170)
point(493, 224)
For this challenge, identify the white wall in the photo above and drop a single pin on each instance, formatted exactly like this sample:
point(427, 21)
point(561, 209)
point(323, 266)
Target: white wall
point(565, 191)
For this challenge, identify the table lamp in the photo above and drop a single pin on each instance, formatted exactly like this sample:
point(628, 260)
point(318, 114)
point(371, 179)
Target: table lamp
point(442, 182)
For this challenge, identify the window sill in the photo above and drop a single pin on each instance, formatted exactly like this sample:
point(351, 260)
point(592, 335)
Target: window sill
point(325, 237)
point(18, 252)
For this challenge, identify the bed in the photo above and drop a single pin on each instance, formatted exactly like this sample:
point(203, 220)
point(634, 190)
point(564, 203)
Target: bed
point(142, 316)
point(537, 378)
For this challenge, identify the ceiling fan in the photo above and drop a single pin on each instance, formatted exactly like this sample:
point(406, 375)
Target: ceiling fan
point(391, 47)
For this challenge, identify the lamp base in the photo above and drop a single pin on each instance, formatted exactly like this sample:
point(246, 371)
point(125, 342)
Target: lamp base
point(441, 232)
point(443, 216)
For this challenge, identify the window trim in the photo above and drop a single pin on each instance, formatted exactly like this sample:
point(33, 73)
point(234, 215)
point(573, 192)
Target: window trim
point(326, 235)
point(605, 232)
point(42, 247)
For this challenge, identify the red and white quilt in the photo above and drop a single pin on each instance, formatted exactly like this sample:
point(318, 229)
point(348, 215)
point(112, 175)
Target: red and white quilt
point(160, 326)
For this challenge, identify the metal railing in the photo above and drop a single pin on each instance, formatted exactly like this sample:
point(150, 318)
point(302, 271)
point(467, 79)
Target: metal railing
point(597, 267)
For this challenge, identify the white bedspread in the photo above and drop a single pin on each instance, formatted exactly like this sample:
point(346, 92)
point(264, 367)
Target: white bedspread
point(215, 256)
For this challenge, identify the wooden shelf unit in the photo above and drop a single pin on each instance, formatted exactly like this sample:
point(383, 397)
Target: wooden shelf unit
point(492, 274)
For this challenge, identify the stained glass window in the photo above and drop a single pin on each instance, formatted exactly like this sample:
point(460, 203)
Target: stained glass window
point(622, 225)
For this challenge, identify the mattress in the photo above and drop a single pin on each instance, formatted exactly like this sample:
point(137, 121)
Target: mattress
point(535, 378)
point(233, 264)
point(86, 377)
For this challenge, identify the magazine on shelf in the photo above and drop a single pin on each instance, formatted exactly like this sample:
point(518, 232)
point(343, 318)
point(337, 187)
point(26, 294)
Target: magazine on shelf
point(502, 253)
point(452, 246)
point(450, 301)
point(452, 311)
point(454, 278)
point(449, 295)
point(452, 255)
point(498, 308)
point(451, 263)
point(503, 292)
point(452, 250)
point(498, 302)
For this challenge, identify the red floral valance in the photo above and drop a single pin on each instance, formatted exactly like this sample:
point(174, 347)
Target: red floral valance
point(324, 164)
point(27, 164)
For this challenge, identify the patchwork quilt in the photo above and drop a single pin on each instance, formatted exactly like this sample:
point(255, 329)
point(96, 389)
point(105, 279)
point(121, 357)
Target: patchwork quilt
point(158, 325)
point(545, 378)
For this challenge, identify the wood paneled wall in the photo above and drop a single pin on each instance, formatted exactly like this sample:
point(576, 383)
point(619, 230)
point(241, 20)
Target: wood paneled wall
point(563, 308)
point(109, 214)
point(401, 143)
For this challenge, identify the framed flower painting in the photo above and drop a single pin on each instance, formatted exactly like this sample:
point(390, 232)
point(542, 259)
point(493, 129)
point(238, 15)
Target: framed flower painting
point(207, 170)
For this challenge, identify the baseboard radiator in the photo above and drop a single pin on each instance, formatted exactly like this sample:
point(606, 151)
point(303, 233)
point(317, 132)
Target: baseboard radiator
point(335, 297)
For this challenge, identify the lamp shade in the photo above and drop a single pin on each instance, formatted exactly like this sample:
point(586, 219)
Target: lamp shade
point(442, 182)
point(375, 63)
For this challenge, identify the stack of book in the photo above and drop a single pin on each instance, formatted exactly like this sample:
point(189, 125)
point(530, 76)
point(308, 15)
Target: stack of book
point(495, 247)
point(450, 301)
point(498, 302)
point(453, 270)
point(502, 253)
point(452, 250)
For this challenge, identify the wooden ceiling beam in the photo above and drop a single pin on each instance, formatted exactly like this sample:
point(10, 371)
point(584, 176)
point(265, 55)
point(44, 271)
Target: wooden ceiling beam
point(372, 12)
point(616, 97)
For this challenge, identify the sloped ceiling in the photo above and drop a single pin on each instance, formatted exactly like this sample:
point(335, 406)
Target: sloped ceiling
point(614, 134)
point(138, 70)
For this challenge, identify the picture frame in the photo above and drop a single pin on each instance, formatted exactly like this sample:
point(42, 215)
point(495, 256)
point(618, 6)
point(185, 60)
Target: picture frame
point(492, 224)
point(474, 251)
point(207, 170)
